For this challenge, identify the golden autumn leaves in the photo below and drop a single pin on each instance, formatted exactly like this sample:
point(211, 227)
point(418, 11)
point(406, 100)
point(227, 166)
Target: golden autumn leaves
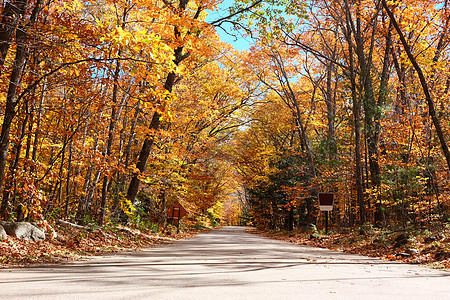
point(116, 91)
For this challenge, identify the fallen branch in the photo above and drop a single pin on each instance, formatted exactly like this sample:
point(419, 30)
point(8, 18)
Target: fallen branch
point(62, 222)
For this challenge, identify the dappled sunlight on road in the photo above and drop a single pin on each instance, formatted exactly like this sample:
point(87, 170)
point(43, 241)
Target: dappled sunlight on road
point(225, 263)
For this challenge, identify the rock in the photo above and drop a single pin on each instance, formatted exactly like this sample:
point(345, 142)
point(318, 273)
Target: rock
point(403, 255)
point(3, 235)
point(434, 237)
point(23, 230)
point(442, 255)
point(412, 251)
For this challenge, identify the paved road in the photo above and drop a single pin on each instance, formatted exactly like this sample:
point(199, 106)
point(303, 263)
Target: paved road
point(227, 264)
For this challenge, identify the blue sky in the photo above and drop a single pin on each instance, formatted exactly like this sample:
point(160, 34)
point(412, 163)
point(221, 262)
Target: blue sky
point(239, 41)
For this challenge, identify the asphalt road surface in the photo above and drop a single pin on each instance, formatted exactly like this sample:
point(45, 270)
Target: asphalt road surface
point(227, 264)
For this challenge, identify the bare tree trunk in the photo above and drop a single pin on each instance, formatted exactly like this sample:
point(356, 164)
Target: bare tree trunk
point(10, 183)
point(382, 95)
point(356, 120)
point(10, 110)
point(69, 168)
point(330, 101)
point(402, 97)
point(91, 191)
point(132, 136)
point(289, 97)
point(61, 171)
point(107, 154)
point(142, 160)
point(371, 106)
point(38, 125)
point(302, 128)
point(12, 14)
point(15, 79)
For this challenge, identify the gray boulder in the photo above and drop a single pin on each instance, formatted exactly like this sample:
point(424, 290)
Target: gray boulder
point(3, 235)
point(23, 230)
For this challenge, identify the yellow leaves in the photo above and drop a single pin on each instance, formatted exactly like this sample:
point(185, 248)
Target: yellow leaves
point(25, 211)
point(217, 210)
point(121, 34)
point(126, 206)
point(73, 5)
point(146, 179)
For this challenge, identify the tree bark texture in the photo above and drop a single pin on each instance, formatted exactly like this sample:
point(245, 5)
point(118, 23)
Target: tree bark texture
point(20, 30)
point(356, 120)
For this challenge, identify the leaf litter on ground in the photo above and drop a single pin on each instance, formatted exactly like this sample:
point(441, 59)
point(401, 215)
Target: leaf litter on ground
point(418, 248)
point(68, 243)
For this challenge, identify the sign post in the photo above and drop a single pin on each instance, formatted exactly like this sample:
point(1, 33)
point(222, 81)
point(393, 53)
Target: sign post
point(326, 202)
point(176, 212)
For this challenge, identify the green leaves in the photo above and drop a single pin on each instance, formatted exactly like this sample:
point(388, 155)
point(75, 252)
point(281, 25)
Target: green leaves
point(267, 20)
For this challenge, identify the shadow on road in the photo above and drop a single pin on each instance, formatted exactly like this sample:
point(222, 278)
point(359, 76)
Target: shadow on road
point(219, 258)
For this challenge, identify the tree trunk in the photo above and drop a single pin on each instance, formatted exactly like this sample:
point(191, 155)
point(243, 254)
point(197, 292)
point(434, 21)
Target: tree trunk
point(142, 160)
point(356, 120)
point(372, 108)
point(40, 112)
point(154, 125)
point(330, 101)
point(10, 182)
point(109, 143)
point(69, 168)
point(14, 83)
point(10, 110)
point(83, 203)
point(12, 14)
point(423, 82)
point(382, 95)
point(289, 97)
point(115, 113)
point(61, 171)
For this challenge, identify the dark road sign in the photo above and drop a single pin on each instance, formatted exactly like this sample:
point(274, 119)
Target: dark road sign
point(176, 211)
point(326, 201)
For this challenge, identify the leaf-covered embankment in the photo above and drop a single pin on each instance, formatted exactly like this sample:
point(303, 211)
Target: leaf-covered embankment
point(430, 247)
point(69, 243)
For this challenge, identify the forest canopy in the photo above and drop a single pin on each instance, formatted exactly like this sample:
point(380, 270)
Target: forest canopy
point(112, 111)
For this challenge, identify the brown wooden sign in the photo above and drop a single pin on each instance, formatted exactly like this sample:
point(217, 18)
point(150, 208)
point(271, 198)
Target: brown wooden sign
point(326, 201)
point(176, 211)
